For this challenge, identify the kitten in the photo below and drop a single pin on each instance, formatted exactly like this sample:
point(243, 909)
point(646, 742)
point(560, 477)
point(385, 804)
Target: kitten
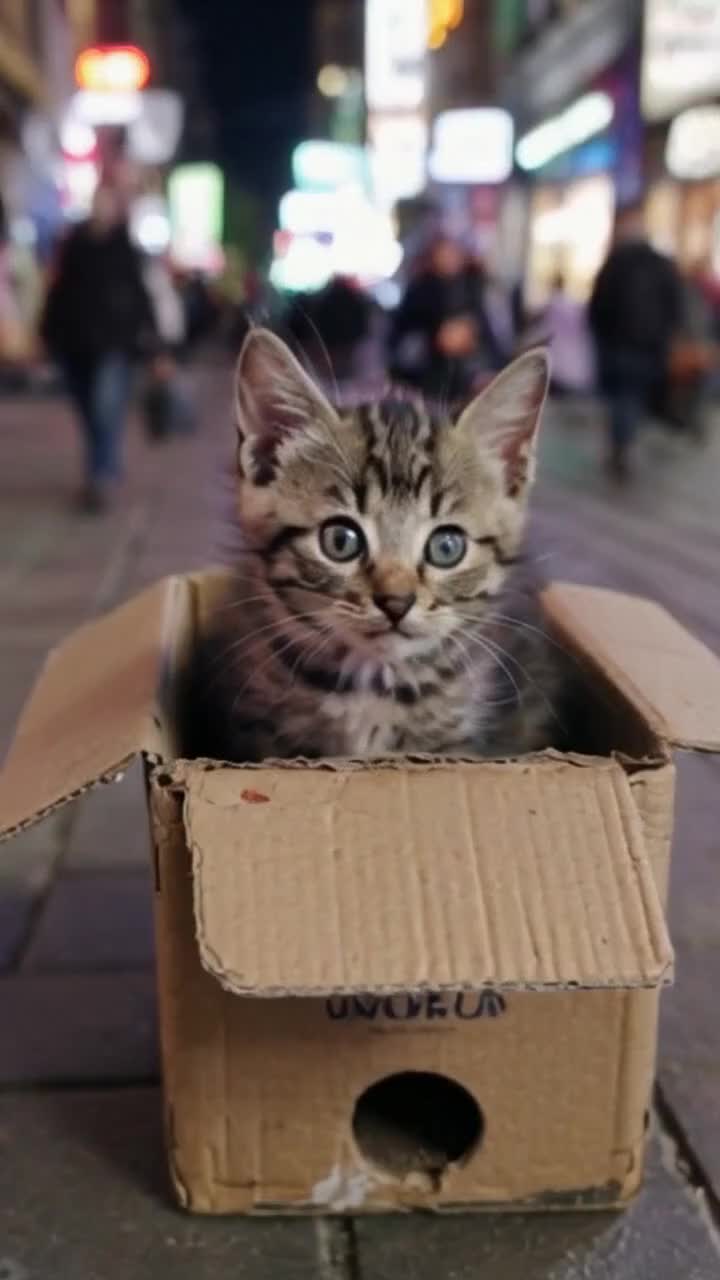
point(375, 607)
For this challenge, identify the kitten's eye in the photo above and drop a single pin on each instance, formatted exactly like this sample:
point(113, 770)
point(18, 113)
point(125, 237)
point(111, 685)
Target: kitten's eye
point(342, 540)
point(446, 547)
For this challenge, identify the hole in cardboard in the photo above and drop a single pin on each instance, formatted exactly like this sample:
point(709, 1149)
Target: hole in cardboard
point(415, 1124)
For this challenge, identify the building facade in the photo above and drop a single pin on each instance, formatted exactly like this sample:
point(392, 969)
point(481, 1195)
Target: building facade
point(569, 74)
point(680, 99)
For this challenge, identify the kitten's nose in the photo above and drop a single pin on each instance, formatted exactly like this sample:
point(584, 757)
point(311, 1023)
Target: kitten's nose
point(395, 607)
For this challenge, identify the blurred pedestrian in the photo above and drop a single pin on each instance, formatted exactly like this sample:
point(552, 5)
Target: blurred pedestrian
point(202, 312)
point(565, 323)
point(453, 324)
point(635, 312)
point(98, 318)
point(331, 326)
point(166, 404)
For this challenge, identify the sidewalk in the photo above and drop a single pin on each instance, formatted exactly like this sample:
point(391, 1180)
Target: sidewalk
point(82, 1184)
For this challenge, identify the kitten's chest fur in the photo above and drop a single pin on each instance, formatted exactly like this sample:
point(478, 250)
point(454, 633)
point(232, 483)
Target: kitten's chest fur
point(437, 721)
point(252, 701)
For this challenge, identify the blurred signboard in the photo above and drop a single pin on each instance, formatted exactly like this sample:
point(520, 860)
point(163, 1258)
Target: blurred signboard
point(472, 146)
point(681, 55)
point(567, 57)
point(397, 152)
point(153, 119)
point(693, 146)
point(195, 203)
point(583, 119)
point(319, 165)
point(395, 41)
point(308, 212)
point(154, 135)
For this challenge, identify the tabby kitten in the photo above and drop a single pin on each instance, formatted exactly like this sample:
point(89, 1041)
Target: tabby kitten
point(374, 607)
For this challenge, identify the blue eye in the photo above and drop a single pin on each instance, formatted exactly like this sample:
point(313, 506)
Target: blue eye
point(446, 547)
point(342, 540)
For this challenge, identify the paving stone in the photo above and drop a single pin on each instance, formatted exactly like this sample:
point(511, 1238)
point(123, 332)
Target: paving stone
point(77, 1027)
point(663, 1235)
point(110, 828)
point(94, 923)
point(83, 1194)
point(20, 667)
point(17, 905)
point(689, 1063)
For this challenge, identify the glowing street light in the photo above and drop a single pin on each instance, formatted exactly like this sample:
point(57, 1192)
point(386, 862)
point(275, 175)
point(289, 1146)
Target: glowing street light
point(112, 69)
point(333, 81)
point(444, 16)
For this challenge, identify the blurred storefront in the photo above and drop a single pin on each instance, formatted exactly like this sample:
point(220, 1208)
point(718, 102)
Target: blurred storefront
point(680, 84)
point(35, 70)
point(571, 82)
point(336, 108)
point(470, 137)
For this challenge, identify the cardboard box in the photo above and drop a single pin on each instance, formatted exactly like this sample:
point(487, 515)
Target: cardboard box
point(410, 983)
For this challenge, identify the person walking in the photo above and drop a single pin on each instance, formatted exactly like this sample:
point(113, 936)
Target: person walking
point(452, 325)
point(565, 322)
point(635, 312)
point(330, 328)
point(98, 319)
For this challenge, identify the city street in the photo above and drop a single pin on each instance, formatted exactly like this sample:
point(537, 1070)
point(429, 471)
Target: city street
point(83, 1191)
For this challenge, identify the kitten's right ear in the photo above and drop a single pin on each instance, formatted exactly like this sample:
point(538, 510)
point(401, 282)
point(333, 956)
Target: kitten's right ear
point(274, 398)
point(506, 415)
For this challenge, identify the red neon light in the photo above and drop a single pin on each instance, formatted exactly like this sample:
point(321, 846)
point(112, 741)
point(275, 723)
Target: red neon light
point(112, 69)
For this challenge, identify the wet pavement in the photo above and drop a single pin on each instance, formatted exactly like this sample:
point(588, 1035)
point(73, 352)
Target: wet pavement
point(82, 1184)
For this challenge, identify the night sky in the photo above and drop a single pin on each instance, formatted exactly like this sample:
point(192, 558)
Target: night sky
point(256, 60)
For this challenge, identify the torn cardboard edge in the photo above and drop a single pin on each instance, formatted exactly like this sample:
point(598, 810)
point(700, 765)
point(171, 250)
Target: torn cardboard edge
point(172, 772)
point(106, 693)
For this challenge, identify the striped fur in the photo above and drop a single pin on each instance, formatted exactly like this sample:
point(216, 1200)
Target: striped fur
point(300, 660)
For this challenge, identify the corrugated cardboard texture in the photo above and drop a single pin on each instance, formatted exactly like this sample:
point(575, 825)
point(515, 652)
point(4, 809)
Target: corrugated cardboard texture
point(671, 678)
point(260, 1094)
point(97, 703)
point(653, 790)
point(525, 875)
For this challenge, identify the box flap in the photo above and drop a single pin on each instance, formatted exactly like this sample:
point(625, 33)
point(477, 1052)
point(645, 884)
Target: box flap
point(670, 677)
point(97, 702)
point(527, 875)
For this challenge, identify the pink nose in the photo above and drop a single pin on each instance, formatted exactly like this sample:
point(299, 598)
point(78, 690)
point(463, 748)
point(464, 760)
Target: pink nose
point(395, 607)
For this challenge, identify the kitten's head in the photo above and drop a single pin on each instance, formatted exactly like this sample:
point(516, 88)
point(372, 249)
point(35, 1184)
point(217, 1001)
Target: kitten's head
point(395, 523)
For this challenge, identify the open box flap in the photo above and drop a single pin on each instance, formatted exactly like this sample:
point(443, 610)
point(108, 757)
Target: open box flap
point(312, 881)
point(97, 703)
point(666, 674)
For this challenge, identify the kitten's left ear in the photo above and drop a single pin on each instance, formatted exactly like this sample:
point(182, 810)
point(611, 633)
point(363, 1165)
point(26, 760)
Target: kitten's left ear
point(274, 398)
point(505, 416)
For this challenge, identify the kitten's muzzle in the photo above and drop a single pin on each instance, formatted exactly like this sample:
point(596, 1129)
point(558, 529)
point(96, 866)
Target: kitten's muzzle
point(395, 607)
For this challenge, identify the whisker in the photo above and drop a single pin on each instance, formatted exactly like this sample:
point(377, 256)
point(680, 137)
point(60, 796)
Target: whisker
point(490, 645)
point(494, 652)
point(275, 625)
point(505, 620)
point(308, 657)
point(323, 350)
